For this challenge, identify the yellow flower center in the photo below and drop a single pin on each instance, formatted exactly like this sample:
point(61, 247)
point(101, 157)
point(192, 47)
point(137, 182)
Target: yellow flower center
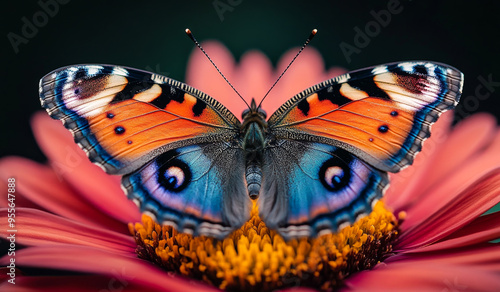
point(258, 259)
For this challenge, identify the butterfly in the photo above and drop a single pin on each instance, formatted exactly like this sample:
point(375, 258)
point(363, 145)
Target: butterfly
point(318, 163)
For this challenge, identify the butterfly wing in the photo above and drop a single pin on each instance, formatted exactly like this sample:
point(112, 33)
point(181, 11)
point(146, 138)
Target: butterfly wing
point(198, 189)
point(139, 124)
point(369, 121)
point(317, 188)
point(381, 114)
point(122, 117)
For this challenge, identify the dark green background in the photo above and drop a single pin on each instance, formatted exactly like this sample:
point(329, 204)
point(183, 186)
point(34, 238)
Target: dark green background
point(151, 34)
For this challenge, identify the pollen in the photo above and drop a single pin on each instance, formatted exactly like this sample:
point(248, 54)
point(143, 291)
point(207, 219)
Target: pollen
point(255, 258)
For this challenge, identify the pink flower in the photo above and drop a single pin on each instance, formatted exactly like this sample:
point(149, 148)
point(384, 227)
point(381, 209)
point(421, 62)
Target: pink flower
point(72, 216)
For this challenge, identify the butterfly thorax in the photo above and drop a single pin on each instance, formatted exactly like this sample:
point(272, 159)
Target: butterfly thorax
point(253, 129)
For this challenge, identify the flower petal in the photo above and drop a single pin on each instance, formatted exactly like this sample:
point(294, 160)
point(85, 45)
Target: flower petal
point(405, 186)
point(411, 276)
point(426, 227)
point(39, 184)
point(202, 75)
point(305, 72)
point(467, 139)
point(254, 77)
point(19, 199)
point(298, 289)
point(91, 260)
point(80, 283)
point(482, 229)
point(483, 163)
point(39, 228)
point(71, 164)
point(485, 256)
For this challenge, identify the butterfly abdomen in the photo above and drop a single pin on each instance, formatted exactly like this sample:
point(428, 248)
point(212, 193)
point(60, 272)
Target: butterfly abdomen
point(253, 128)
point(254, 179)
point(253, 144)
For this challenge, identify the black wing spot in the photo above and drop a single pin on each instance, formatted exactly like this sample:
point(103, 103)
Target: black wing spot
point(394, 113)
point(82, 72)
point(119, 130)
point(132, 88)
point(304, 106)
point(383, 129)
point(168, 93)
point(367, 84)
point(333, 94)
point(173, 174)
point(110, 115)
point(198, 107)
point(335, 174)
point(420, 69)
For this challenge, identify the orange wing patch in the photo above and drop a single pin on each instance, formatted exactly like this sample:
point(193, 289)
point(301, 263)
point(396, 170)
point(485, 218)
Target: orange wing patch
point(376, 126)
point(131, 128)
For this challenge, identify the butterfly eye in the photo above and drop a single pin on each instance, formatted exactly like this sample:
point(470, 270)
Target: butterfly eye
point(262, 113)
point(174, 176)
point(245, 113)
point(333, 176)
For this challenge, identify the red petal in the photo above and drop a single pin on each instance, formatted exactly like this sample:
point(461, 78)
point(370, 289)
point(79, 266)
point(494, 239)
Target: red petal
point(202, 75)
point(82, 283)
point(38, 228)
point(485, 256)
point(253, 78)
point(306, 71)
point(298, 289)
point(20, 200)
point(71, 163)
point(482, 229)
point(405, 185)
point(91, 260)
point(39, 184)
point(423, 228)
point(466, 141)
point(445, 154)
point(464, 177)
point(411, 276)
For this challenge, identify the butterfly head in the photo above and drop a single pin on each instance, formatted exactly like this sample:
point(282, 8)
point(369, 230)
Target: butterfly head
point(254, 114)
point(253, 128)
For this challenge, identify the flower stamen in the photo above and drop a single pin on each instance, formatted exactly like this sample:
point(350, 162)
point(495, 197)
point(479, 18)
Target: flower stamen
point(254, 258)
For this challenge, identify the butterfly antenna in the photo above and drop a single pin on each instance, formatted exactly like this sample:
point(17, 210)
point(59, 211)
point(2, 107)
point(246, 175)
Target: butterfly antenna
point(313, 33)
point(191, 36)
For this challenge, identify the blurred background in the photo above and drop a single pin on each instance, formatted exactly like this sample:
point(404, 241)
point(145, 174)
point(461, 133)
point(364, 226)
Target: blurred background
point(40, 36)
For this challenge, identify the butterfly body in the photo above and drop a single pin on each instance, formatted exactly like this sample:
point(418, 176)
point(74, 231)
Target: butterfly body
point(254, 129)
point(316, 164)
